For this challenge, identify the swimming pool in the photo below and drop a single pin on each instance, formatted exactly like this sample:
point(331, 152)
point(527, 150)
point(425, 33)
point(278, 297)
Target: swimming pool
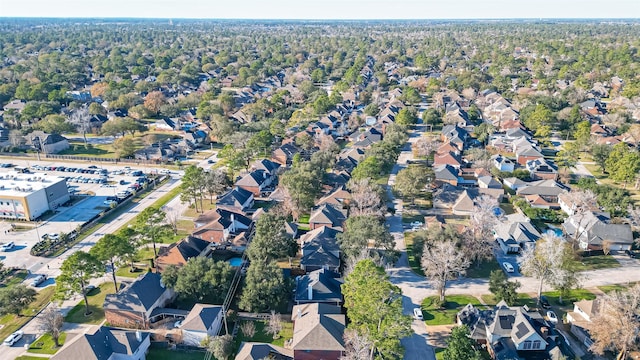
point(235, 261)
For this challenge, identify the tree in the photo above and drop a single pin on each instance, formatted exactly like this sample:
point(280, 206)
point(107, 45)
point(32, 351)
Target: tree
point(170, 276)
point(478, 237)
point(124, 147)
point(600, 154)
point(248, 329)
point(460, 346)
point(55, 124)
point(568, 157)
point(366, 198)
point(111, 248)
point(77, 270)
point(216, 181)
point(484, 131)
point(623, 163)
point(442, 262)
point(51, 321)
point(502, 288)
point(410, 95)
point(425, 146)
point(265, 287)
point(551, 260)
point(220, 346)
point(81, 119)
point(153, 101)
point(201, 279)
point(583, 134)
point(406, 117)
point(274, 324)
point(357, 347)
point(615, 327)
point(362, 232)
point(150, 226)
point(16, 298)
point(432, 116)
point(271, 241)
point(411, 181)
point(193, 182)
point(374, 308)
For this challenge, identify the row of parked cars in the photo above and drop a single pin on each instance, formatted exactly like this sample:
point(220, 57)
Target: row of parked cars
point(90, 170)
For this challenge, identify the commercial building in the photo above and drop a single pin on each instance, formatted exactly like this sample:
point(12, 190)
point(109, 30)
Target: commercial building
point(27, 196)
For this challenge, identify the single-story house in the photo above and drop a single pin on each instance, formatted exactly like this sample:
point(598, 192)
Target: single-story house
point(594, 231)
point(46, 143)
point(104, 343)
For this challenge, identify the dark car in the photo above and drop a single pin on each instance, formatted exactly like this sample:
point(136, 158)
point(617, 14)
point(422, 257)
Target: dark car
point(544, 302)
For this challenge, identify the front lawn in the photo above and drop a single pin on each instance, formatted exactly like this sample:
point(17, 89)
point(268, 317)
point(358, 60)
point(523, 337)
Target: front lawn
point(11, 323)
point(414, 259)
point(261, 336)
point(96, 300)
point(125, 271)
point(523, 299)
point(15, 277)
point(435, 315)
point(617, 287)
point(45, 345)
point(597, 262)
point(165, 354)
point(484, 270)
point(567, 301)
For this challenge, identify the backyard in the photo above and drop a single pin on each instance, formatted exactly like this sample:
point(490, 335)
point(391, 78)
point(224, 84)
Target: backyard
point(261, 336)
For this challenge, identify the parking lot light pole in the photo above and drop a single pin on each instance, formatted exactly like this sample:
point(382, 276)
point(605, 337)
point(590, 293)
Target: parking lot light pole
point(37, 232)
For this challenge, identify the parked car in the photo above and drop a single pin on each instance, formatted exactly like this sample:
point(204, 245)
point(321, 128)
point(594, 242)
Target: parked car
point(54, 236)
point(89, 288)
point(38, 280)
point(211, 161)
point(553, 318)
point(8, 246)
point(508, 267)
point(544, 302)
point(13, 338)
point(417, 313)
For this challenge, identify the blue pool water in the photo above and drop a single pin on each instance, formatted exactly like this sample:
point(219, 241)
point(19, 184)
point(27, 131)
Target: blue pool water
point(235, 262)
point(557, 231)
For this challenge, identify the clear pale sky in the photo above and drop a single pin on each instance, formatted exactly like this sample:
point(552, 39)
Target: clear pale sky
point(323, 9)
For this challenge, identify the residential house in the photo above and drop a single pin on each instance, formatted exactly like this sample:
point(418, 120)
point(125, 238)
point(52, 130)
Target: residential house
point(565, 200)
point(447, 159)
point(236, 199)
point(261, 351)
point(542, 169)
point(157, 152)
point(268, 166)
point(547, 189)
point(514, 183)
point(526, 153)
point(318, 331)
point(449, 197)
point(257, 182)
point(167, 124)
point(203, 320)
point(446, 174)
point(321, 286)
point(594, 231)
point(338, 198)
point(103, 343)
point(319, 249)
point(515, 232)
point(502, 163)
point(15, 105)
point(46, 143)
point(284, 154)
point(511, 332)
point(135, 306)
point(455, 135)
point(327, 215)
point(448, 148)
point(220, 225)
point(488, 182)
point(583, 313)
point(177, 254)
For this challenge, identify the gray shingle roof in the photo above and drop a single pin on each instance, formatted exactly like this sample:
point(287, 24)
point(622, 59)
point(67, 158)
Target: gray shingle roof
point(201, 317)
point(139, 296)
point(318, 327)
point(100, 344)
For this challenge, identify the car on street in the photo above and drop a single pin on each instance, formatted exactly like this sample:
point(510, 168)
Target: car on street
point(210, 161)
point(553, 318)
point(544, 302)
point(13, 338)
point(38, 280)
point(8, 246)
point(508, 267)
point(417, 313)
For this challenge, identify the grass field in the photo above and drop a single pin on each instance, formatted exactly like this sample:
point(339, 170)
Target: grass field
point(484, 270)
point(414, 259)
point(523, 299)
point(597, 262)
point(261, 335)
point(96, 300)
point(45, 345)
point(11, 323)
point(617, 287)
point(435, 315)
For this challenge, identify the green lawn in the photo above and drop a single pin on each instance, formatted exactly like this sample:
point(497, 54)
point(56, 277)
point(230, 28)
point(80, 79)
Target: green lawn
point(164, 354)
point(597, 262)
point(411, 216)
point(45, 345)
point(434, 315)
point(484, 270)
point(96, 299)
point(26, 357)
point(414, 260)
point(11, 323)
point(191, 210)
point(261, 336)
point(78, 149)
point(16, 277)
point(523, 299)
point(617, 287)
point(124, 272)
point(304, 219)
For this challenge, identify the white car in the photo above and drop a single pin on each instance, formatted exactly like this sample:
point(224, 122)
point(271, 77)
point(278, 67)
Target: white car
point(8, 246)
point(553, 318)
point(38, 280)
point(13, 338)
point(508, 267)
point(417, 314)
point(54, 236)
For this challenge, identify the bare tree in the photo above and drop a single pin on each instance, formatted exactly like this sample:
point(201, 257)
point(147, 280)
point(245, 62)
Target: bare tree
point(82, 121)
point(357, 347)
point(365, 198)
point(615, 327)
point(442, 262)
point(172, 218)
point(215, 182)
point(219, 346)
point(425, 146)
point(290, 204)
point(51, 321)
point(274, 325)
point(15, 137)
point(580, 203)
point(477, 237)
point(248, 329)
point(551, 260)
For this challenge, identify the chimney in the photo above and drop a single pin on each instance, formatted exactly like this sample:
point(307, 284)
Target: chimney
point(299, 313)
point(139, 336)
point(545, 332)
point(310, 292)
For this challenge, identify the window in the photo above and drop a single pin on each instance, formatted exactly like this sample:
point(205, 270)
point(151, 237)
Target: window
point(527, 345)
point(537, 344)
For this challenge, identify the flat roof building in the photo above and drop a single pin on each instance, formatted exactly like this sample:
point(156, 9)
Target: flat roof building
point(27, 196)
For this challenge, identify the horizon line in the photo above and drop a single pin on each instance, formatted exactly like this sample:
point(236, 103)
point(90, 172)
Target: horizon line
point(318, 19)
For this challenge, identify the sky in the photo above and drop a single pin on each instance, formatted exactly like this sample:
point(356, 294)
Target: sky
point(323, 9)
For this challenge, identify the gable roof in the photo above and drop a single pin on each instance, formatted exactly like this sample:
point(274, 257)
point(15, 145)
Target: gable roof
point(139, 296)
point(254, 178)
point(201, 317)
point(235, 197)
point(179, 253)
point(336, 197)
point(261, 351)
point(446, 172)
point(266, 165)
point(327, 214)
point(318, 327)
point(100, 344)
point(325, 285)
